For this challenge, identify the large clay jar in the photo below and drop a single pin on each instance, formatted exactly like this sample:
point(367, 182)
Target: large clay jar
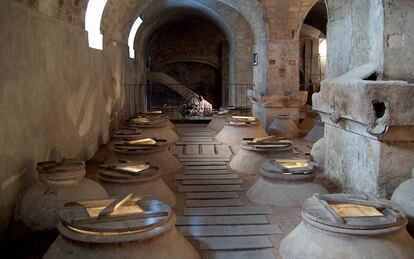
point(153, 150)
point(318, 153)
point(218, 122)
point(139, 178)
point(285, 183)
point(239, 127)
point(253, 153)
point(59, 183)
point(404, 196)
point(284, 126)
point(154, 126)
point(130, 228)
point(342, 226)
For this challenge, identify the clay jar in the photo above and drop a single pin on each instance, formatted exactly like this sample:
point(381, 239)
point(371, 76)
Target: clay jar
point(218, 122)
point(404, 196)
point(154, 126)
point(253, 152)
point(284, 126)
point(340, 226)
point(152, 150)
point(59, 183)
point(139, 178)
point(285, 183)
point(128, 227)
point(237, 128)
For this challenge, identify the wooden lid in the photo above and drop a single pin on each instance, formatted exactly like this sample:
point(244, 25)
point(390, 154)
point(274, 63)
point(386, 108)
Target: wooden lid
point(267, 144)
point(288, 166)
point(126, 171)
point(140, 146)
point(127, 133)
point(360, 214)
point(64, 171)
point(148, 121)
point(242, 121)
point(113, 220)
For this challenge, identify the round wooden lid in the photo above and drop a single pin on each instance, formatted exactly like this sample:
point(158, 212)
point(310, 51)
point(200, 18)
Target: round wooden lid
point(242, 121)
point(148, 121)
point(359, 214)
point(288, 169)
point(127, 133)
point(64, 171)
point(139, 146)
point(114, 220)
point(266, 144)
point(126, 172)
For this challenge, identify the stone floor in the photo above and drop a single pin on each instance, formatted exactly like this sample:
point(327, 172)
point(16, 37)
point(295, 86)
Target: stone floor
point(21, 243)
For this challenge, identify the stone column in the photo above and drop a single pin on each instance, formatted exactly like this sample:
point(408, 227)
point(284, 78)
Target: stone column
point(368, 109)
point(281, 95)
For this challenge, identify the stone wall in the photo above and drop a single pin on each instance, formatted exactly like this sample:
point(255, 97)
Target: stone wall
point(58, 97)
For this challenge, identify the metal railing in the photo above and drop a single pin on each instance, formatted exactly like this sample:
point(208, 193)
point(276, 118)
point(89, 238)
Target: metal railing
point(169, 98)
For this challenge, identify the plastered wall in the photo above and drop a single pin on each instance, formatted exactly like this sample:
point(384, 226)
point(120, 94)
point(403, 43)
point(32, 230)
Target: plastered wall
point(58, 97)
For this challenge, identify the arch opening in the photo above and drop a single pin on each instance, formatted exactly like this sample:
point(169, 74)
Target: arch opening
point(93, 16)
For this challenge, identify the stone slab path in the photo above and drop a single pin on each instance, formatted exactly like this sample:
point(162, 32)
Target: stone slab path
point(214, 215)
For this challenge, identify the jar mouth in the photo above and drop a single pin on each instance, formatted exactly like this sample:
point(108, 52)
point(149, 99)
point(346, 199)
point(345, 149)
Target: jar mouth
point(134, 218)
point(129, 173)
point(139, 146)
point(355, 214)
point(353, 231)
point(66, 171)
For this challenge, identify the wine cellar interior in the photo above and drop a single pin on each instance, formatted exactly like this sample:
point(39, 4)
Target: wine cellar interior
point(213, 129)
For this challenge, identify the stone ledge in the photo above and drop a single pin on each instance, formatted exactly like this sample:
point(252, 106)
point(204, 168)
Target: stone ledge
point(278, 100)
point(372, 108)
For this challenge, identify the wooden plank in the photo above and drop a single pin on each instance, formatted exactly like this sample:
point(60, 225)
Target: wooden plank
point(192, 149)
point(210, 188)
point(177, 150)
point(206, 167)
point(222, 220)
point(213, 182)
point(197, 139)
point(208, 150)
point(181, 143)
point(206, 177)
point(223, 150)
point(206, 172)
point(205, 156)
point(224, 231)
point(223, 211)
point(197, 134)
point(205, 163)
point(212, 195)
point(246, 254)
point(214, 203)
point(234, 243)
point(205, 159)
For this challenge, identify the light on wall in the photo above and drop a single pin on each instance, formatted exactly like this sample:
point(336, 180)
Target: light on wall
point(255, 59)
point(131, 37)
point(322, 48)
point(93, 18)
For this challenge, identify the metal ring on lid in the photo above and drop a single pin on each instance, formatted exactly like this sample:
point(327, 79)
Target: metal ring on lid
point(357, 214)
point(128, 172)
point(126, 219)
point(140, 146)
point(61, 172)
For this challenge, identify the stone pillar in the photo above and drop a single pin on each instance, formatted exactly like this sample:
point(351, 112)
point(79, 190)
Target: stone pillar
point(281, 95)
point(369, 123)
